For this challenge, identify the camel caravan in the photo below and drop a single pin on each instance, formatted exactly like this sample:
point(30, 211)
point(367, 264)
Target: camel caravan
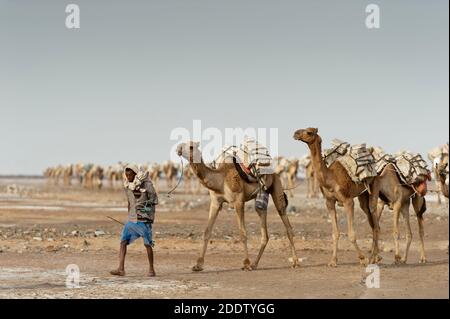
point(94, 176)
point(339, 174)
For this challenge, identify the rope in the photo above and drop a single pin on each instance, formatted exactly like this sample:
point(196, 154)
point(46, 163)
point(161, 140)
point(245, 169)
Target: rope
point(179, 180)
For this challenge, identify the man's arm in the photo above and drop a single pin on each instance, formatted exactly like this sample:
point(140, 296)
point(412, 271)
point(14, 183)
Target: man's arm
point(152, 195)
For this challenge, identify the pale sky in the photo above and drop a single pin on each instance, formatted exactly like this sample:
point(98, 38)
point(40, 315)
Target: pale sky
point(115, 88)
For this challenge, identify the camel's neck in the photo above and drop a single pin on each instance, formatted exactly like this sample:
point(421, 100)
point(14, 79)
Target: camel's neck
point(317, 161)
point(210, 178)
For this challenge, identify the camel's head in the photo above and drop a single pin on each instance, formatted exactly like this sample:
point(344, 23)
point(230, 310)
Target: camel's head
point(308, 135)
point(190, 151)
point(442, 165)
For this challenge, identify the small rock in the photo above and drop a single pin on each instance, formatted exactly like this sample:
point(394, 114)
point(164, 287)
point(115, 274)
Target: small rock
point(299, 259)
point(75, 233)
point(50, 239)
point(99, 233)
point(66, 246)
point(37, 238)
point(51, 249)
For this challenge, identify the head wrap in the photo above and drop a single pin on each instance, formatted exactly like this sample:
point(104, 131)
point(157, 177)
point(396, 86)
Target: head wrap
point(140, 177)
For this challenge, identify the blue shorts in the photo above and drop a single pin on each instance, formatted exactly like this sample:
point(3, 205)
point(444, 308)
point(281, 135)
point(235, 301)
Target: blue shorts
point(133, 231)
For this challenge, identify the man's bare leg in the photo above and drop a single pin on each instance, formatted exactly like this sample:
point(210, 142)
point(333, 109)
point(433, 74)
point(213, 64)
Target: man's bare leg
point(151, 271)
point(123, 252)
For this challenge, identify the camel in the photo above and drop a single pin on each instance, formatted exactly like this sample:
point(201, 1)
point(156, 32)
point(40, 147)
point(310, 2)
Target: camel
point(56, 173)
point(435, 156)
point(312, 186)
point(291, 175)
point(79, 172)
point(338, 187)
point(170, 171)
point(155, 174)
point(441, 169)
point(94, 177)
point(189, 180)
point(114, 174)
point(67, 173)
point(49, 174)
point(226, 185)
point(398, 197)
point(312, 183)
point(288, 170)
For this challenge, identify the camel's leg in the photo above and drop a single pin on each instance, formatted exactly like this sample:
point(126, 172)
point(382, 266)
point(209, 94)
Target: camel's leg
point(240, 214)
point(291, 186)
point(308, 187)
point(438, 189)
point(315, 186)
point(279, 200)
point(214, 210)
point(420, 207)
point(186, 186)
point(364, 203)
point(349, 207)
point(264, 238)
point(423, 258)
point(395, 231)
point(405, 213)
point(290, 234)
point(373, 213)
point(331, 206)
point(380, 209)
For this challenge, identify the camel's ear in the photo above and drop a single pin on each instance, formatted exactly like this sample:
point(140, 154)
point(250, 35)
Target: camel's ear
point(316, 130)
point(196, 144)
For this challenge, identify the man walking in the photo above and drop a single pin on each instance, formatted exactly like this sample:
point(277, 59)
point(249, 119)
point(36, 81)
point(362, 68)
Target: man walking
point(142, 199)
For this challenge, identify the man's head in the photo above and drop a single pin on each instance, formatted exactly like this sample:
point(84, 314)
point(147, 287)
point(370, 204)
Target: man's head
point(131, 172)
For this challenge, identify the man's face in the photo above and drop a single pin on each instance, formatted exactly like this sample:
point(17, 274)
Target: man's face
point(130, 175)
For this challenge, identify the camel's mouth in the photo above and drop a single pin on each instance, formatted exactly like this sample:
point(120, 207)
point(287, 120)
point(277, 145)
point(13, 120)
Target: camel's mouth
point(179, 150)
point(298, 136)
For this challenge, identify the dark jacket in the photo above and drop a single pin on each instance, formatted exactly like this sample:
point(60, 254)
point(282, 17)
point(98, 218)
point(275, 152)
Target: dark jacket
point(142, 202)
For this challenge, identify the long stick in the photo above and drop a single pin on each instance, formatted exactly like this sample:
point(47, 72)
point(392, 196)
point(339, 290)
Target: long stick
point(116, 221)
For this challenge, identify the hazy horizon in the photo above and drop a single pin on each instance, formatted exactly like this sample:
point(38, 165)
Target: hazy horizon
point(115, 89)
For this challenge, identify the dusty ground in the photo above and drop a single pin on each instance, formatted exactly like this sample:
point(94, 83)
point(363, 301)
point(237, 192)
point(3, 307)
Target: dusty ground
point(45, 229)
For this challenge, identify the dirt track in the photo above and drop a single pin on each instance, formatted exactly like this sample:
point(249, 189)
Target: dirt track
point(47, 229)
